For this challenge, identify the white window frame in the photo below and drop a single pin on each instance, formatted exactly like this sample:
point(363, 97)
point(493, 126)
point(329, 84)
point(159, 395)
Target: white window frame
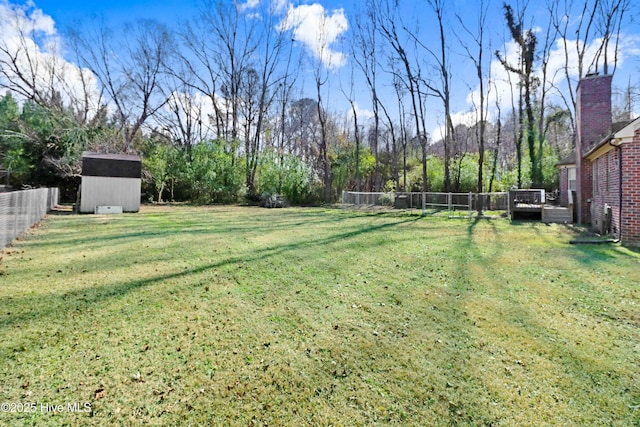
point(571, 182)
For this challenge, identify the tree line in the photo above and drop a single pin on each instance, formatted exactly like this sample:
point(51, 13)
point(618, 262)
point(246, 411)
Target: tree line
point(220, 108)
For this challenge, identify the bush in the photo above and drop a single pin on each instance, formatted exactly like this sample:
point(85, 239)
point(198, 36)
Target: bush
point(215, 175)
point(386, 199)
point(286, 176)
point(273, 201)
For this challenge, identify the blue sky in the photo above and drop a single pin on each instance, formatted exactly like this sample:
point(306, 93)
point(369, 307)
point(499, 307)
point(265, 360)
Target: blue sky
point(67, 11)
point(339, 16)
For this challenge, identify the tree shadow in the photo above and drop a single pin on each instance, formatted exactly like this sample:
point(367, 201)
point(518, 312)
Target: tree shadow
point(43, 306)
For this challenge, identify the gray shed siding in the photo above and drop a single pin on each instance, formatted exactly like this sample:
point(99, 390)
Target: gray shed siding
point(110, 191)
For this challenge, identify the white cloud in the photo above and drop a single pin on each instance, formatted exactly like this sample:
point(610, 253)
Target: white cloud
point(31, 46)
point(318, 31)
point(467, 118)
point(364, 115)
point(250, 4)
point(505, 83)
point(197, 109)
point(502, 82)
point(280, 5)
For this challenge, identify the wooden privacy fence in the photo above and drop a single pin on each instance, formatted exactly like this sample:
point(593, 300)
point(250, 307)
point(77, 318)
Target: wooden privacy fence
point(19, 210)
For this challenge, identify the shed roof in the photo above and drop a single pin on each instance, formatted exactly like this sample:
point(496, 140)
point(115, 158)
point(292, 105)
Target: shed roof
point(111, 165)
point(108, 156)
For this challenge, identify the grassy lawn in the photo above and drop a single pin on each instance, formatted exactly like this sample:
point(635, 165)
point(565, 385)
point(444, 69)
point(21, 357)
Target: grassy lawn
point(242, 316)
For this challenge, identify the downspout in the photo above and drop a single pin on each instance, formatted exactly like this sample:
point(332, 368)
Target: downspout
point(616, 143)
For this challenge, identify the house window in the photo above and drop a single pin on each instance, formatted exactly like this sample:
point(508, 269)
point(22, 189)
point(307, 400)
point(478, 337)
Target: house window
point(571, 172)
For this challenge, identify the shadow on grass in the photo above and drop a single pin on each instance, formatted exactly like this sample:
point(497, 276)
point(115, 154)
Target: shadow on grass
point(534, 333)
point(50, 305)
point(181, 226)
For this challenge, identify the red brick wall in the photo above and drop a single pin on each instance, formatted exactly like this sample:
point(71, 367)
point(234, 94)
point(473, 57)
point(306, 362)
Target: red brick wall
point(606, 191)
point(594, 112)
point(564, 186)
point(631, 192)
point(586, 190)
point(593, 115)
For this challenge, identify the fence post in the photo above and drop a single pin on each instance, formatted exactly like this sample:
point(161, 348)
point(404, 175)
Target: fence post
point(470, 204)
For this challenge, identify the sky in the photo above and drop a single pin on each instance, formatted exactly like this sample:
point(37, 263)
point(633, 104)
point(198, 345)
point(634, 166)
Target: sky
point(117, 11)
point(337, 19)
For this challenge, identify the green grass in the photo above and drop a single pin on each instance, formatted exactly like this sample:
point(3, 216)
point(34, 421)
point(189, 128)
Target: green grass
point(243, 316)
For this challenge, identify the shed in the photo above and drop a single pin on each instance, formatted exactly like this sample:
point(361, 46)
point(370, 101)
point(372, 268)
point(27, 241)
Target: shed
point(110, 180)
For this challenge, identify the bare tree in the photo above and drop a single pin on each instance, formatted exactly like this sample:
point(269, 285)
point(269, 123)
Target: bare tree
point(302, 128)
point(129, 71)
point(320, 81)
point(365, 51)
point(196, 69)
point(270, 54)
point(402, 124)
point(598, 21)
point(497, 140)
point(32, 67)
point(527, 42)
point(356, 127)
point(544, 86)
point(626, 99)
point(233, 58)
point(443, 90)
point(610, 21)
point(183, 119)
point(233, 48)
point(283, 94)
point(23, 68)
point(391, 133)
point(321, 64)
point(387, 18)
point(477, 58)
point(219, 49)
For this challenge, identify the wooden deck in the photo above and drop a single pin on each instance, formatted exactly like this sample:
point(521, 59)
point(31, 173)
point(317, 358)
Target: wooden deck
point(527, 207)
point(531, 203)
point(556, 214)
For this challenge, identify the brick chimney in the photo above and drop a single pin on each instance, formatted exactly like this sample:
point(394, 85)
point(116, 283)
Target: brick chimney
point(593, 117)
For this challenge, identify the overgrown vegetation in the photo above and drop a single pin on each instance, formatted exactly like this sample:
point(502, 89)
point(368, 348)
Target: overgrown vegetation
point(242, 316)
point(43, 146)
point(219, 109)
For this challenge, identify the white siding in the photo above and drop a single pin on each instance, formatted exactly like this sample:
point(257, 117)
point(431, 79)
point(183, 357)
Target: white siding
point(107, 191)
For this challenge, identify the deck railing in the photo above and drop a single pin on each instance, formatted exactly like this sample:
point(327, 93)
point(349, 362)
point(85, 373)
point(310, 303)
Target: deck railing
point(521, 201)
point(527, 197)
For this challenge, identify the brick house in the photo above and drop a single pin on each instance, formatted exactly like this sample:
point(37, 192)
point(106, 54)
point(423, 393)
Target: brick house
point(567, 177)
point(605, 169)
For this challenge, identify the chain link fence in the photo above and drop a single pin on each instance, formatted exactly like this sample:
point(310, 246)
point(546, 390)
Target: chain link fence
point(19, 210)
point(455, 204)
